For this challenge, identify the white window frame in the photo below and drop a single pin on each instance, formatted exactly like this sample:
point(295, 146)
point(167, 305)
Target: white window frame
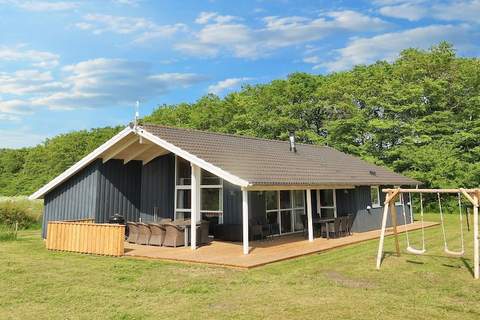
point(319, 203)
point(378, 204)
point(279, 211)
point(189, 187)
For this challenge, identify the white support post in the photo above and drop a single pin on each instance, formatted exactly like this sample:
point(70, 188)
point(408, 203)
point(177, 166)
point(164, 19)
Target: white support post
point(475, 236)
point(309, 215)
point(382, 234)
point(195, 201)
point(245, 220)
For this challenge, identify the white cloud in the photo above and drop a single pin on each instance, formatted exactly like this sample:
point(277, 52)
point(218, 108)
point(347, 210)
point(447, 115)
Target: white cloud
point(458, 10)
point(143, 29)
point(406, 11)
point(197, 49)
point(227, 33)
point(312, 59)
point(112, 82)
point(88, 84)
point(8, 117)
point(387, 46)
point(227, 84)
point(11, 109)
point(206, 17)
point(23, 82)
point(446, 11)
point(41, 59)
point(41, 6)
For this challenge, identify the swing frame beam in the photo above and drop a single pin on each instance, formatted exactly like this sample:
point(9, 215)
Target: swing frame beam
point(472, 195)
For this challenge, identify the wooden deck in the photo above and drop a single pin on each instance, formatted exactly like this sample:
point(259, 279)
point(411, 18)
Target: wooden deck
point(229, 254)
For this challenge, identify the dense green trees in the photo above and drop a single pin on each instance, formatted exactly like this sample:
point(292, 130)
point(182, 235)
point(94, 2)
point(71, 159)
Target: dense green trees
point(22, 171)
point(418, 115)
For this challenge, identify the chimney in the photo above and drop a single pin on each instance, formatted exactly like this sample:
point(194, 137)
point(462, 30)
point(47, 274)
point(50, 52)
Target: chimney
point(291, 137)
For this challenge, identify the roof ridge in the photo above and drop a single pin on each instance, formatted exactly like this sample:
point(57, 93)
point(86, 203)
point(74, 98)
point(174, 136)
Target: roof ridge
point(232, 135)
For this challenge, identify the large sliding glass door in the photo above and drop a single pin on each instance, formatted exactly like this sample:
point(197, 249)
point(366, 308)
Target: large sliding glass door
point(285, 209)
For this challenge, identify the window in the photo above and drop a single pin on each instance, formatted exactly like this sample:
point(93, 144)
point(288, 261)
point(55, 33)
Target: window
point(209, 179)
point(211, 199)
point(298, 199)
point(285, 208)
point(183, 199)
point(211, 192)
point(375, 196)
point(285, 199)
point(326, 203)
point(184, 172)
point(326, 198)
point(271, 199)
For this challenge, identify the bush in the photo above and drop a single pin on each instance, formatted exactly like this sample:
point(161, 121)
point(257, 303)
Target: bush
point(11, 212)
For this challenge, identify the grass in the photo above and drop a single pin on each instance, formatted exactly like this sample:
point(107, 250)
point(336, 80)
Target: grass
point(339, 284)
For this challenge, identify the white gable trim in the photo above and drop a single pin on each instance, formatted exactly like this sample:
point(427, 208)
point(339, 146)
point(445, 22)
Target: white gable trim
point(81, 164)
point(193, 159)
point(141, 132)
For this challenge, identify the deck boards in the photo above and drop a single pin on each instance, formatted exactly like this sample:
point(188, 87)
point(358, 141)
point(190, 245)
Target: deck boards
point(229, 254)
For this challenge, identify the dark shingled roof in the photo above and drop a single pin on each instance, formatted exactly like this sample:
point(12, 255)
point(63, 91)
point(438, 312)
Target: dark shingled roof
point(269, 162)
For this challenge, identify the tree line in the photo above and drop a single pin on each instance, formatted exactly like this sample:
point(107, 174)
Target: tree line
point(418, 115)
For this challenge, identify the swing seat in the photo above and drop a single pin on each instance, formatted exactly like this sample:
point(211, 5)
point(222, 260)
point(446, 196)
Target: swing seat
point(454, 253)
point(416, 251)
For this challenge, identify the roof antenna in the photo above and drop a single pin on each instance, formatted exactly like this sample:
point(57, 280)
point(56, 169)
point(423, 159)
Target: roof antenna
point(137, 113)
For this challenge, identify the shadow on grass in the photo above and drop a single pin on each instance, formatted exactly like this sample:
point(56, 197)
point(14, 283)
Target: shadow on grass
point(388, 254)
point(415, 262)
point(465, 261)
point(468, 266)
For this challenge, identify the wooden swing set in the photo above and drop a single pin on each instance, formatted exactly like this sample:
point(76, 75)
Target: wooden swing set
point(472, 195)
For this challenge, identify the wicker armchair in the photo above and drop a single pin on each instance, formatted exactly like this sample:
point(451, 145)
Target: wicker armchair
point(344, 225)
point(132, 232)
point(335, 227)
point(144, 233)
point(157, 234)
point(164, 220)
point(174, 235)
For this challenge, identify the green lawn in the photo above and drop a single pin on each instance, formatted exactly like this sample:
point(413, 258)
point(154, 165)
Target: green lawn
point(340, 284)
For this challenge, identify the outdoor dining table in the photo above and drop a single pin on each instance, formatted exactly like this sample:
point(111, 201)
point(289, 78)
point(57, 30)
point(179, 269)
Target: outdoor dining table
point(325, 221)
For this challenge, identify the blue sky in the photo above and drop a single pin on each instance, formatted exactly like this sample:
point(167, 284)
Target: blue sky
point(82, 64)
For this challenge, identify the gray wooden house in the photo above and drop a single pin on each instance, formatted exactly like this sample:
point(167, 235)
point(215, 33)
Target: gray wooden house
point(147, 172)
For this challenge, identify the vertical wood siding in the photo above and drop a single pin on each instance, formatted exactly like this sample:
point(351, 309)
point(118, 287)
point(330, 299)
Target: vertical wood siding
point(118, 190)
point(232, 203)
point(257, 207)
point(72, 200)
point(365, 220)
point(158, 187)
